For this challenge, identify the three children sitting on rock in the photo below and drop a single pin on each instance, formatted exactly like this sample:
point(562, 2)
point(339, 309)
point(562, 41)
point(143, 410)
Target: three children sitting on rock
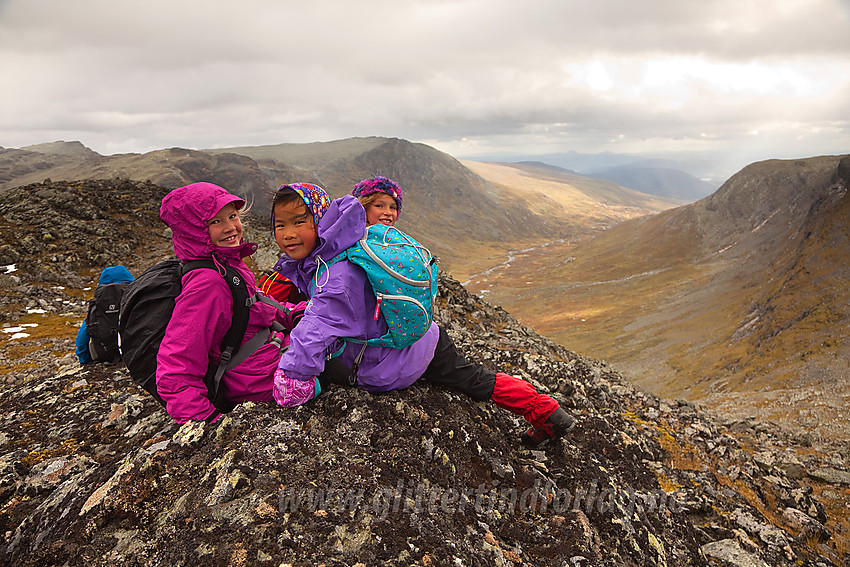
point(310, 229)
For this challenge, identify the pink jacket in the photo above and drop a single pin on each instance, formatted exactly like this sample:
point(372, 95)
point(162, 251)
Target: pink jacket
point(203, 311)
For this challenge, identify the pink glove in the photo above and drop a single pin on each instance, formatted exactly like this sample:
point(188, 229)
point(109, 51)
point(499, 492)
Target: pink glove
point(289, 392)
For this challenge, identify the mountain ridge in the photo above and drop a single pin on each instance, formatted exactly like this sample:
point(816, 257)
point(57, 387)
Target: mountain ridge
point(657, 179)
point(735, 300)
point(488, 222)
point(703, 171)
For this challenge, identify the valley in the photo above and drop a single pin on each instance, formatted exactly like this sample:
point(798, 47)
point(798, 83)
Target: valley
point(737, 301)
point(85, 439)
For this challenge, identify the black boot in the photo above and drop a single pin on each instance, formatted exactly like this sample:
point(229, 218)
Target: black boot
point(557, 425)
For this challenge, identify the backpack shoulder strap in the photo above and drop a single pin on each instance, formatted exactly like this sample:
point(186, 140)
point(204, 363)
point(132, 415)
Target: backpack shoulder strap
point(239, 323)
point(233, 352)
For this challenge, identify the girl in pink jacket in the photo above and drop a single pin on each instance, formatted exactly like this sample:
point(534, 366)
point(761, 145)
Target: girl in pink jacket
point(204, 219)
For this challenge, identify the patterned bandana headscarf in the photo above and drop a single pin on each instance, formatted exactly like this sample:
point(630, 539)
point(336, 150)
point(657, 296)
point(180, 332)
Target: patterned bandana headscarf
point(314, 197)
point(379, 184)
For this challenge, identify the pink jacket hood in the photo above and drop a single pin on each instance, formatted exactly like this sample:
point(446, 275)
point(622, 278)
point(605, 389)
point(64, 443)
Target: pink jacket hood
point(186, 210)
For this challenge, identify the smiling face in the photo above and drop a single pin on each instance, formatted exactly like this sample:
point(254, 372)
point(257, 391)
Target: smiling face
point(226, 228)
point(382, 209)
point(294, 229)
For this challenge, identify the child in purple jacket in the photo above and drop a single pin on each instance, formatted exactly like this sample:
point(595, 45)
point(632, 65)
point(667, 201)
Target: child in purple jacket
point(310, 230)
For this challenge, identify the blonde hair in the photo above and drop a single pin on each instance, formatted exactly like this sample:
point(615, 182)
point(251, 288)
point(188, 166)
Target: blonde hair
point(367, 200)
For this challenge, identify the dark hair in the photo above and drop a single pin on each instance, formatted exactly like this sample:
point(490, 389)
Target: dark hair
point(284, 196)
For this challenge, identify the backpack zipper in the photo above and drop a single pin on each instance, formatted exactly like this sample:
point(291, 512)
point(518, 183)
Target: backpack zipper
point(407, 298)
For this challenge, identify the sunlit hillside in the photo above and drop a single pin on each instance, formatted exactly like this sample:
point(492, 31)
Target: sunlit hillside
point(587, 206)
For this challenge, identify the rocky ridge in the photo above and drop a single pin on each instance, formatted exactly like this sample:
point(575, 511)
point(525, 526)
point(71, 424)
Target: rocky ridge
point(493, 223)
point(94, 472)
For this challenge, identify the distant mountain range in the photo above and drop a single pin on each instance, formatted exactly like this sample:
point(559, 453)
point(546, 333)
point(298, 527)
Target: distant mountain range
point(654, 177)
point(467, 220)
point(657, 180)
point(709, 168)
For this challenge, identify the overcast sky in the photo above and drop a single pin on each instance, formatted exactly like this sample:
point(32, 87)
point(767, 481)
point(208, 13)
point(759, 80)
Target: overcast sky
point(755, 78)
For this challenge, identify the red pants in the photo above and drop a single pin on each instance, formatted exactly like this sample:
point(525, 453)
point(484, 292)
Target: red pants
point(450, 368)
point(520, 397)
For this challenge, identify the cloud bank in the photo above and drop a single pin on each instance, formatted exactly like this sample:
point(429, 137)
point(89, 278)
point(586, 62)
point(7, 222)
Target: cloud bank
point(752, 78)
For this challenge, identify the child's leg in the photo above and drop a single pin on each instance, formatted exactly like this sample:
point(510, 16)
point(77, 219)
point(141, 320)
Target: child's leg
point(336, 372)
point(520, 397)
point(450, 368)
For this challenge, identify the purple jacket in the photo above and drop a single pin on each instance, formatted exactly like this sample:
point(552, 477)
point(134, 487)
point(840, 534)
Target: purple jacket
point(203, 311)
point(343, 305)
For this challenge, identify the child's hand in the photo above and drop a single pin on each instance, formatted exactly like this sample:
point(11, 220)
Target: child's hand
point(289, 392)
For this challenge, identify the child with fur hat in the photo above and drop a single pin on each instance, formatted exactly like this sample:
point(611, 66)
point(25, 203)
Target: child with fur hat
point(310, 229)
point(381, 197)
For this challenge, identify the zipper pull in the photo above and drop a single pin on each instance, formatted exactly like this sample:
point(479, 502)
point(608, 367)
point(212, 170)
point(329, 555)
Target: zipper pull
point(378, 306)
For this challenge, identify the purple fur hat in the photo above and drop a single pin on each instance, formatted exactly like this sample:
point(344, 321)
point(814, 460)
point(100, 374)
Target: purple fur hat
point(379, 184)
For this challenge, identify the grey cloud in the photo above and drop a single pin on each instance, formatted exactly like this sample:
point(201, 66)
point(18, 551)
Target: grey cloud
point(456, 73)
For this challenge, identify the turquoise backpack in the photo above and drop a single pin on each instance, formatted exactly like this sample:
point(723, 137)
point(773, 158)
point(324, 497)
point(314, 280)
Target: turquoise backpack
point(403, 274)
